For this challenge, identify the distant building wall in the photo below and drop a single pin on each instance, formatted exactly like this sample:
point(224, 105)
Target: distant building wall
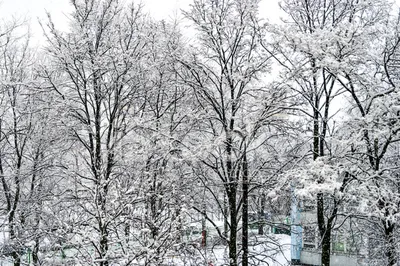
point(296, 230)
point(314, 258)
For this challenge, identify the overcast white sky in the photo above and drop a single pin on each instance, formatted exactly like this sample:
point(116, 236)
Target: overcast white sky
point(160, 9)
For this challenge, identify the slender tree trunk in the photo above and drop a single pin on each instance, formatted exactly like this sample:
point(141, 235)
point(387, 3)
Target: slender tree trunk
point(326, 246)
point(233, 231)
point(35, 252)
point(103, 245)
point(16, 257)
point(231, 193)
point(261, 215)
point(203, 225)
point(390, 244)
point(325, 230)
point(15, 254)
point(245, 212)
point(177, 217)
point(11, 223)
point(226, 229)
point(103, 229)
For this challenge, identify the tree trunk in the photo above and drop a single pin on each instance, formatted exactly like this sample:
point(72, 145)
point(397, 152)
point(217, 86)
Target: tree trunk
point(226, 229)
point(261, 215)
point(203, 225)
point(35, 249)
point(16, 257)
point(233, 221)
point(326, 246)
point(390, 244)
point(245, 212)
point(35, 253)
point(103, 246)
point(231, 191)
point(15, 254)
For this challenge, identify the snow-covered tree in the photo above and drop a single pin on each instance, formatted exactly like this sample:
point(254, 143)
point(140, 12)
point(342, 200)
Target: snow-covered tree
point(96, 68)
point(225, 70)
point(26, 146)
point(371, 82)
point(318, 42)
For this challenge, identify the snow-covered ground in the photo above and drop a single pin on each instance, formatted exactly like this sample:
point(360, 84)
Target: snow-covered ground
point(270, 250)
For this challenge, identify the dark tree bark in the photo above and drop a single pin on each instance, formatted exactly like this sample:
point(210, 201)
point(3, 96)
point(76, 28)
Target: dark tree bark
point(245, 211)
point(391, 251)
point(261, 215)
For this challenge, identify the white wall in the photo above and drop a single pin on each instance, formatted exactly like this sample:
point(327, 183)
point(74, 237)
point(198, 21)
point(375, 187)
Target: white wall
point(314, 258)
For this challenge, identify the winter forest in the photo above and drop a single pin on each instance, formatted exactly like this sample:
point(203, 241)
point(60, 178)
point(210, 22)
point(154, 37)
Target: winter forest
point(126, 141)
